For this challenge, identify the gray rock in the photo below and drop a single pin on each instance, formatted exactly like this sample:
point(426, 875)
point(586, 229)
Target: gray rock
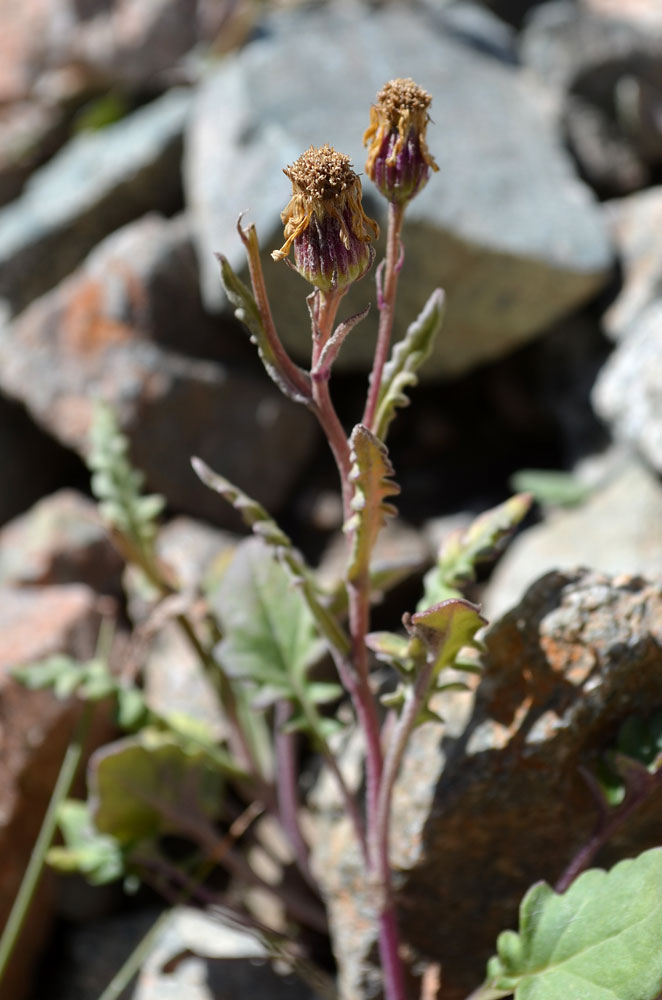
point(628, 392)
point(174, 680)
point(618, 530)
point(635, 224)
point(36, 464)
point(60, 540)
point(197, 957)
point(96, 183)
point(494, 801)
point(476, 26)
point(563, 41)
point(29, 133)
point(506, 227)
point(607, 72)
point(85, 341)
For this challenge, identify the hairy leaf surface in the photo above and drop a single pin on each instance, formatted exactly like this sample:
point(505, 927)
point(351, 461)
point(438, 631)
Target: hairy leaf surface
point(443, 630)
point(371, 477)
point(464, 549)
point(600, 940)
point(400, 372)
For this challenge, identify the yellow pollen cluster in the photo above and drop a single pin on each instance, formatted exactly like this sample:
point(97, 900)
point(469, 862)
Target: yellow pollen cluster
point(324, 184)
point(402, 105)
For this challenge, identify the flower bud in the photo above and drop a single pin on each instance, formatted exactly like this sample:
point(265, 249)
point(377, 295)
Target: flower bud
point(399, 162)
point(325, 222)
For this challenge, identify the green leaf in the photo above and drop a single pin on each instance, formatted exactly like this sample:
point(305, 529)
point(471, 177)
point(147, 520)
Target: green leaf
point(270, 633)
point(131, 708)
point(443, 630)
point(95, 855)
point(464, 549)
point(600, 940)
point(639, 742)
point(247, 312)
point(101, 112)
point(551, 487)
point(116, 485)
point(370, 475)
point(407, 357)
point(264, 527)
point(388, 646)
point(46, 673)
point(150, 784)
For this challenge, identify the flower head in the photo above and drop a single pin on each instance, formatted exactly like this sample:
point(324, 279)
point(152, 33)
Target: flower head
point(399, 161)
point(325, 222)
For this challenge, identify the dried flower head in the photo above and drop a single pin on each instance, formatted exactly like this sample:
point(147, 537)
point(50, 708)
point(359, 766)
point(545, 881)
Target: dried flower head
point(325, 222)
point(399, 161)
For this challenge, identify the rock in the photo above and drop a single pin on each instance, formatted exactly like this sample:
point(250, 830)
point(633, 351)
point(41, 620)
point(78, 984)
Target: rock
point(29, 133)
point(144, 276)
point(60, 540)
point(90, 953)
point(96, 183)
point(618, 530)
point(84, 341)
point(196, 552)
point(36, 729)
point(642, 13)
point(495, 801)
point(174, 680)
point(476, 26)
point(199, 958)
point(29, 28)
point(635, 224)
point(607, 73)
point(34, 463)
point(628, 392)
point(506, 227)
point(514, 12)
point(131, 43)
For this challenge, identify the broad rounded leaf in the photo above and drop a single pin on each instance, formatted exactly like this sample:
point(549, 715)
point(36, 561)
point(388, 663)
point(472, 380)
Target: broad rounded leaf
point(600, 940)
point(150, 784)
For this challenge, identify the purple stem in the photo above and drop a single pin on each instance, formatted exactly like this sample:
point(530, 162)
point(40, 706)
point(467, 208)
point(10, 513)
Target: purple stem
point(608, 823)
point(286, 785)
point(386, 302)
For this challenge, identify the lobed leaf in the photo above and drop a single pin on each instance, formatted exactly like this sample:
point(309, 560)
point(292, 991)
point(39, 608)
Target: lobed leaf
point(464, 549)
point(247, 312)
point(116, 485)
point(600, 940)
point(407, 357)
point(371, 477)
point(270, 637)
point(443, 630)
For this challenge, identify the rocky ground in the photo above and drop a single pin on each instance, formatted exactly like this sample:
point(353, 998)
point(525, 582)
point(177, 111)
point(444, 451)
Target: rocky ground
point(132, 133)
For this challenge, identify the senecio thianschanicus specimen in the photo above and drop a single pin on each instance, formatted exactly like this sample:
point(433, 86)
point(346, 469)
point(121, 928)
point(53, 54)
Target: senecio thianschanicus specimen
point(324, 221)
point(399, 161)
point(331, 237)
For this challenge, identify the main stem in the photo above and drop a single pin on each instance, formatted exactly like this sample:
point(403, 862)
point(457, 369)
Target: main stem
point(379, 872)
point(386, 309)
